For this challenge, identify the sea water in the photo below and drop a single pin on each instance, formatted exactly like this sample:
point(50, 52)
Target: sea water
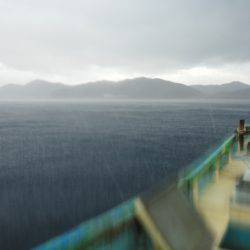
point(64, 162)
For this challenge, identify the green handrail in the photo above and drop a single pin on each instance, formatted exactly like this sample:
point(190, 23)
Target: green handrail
point(196, 171)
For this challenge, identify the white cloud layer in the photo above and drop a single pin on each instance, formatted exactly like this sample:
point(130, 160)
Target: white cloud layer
point(78, 41)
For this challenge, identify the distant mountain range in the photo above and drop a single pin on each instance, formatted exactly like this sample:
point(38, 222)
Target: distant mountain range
point(137, 88)
point(227, 90)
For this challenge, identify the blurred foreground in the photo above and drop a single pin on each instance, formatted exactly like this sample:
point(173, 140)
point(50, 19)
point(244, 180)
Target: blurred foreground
point(207, 208)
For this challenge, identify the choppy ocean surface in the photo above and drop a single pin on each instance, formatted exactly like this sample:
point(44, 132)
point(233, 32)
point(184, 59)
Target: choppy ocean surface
point(62, 163)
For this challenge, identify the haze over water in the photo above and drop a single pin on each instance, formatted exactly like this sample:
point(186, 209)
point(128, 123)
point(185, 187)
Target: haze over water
point(64, 162)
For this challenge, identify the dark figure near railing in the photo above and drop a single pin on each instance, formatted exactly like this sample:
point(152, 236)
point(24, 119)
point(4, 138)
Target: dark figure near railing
point(241, 132)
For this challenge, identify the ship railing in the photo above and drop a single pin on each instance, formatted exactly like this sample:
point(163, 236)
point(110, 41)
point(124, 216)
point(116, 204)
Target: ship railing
point(197, 176)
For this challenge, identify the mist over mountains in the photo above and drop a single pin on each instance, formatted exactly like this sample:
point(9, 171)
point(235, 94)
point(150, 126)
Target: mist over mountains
point(137, 88)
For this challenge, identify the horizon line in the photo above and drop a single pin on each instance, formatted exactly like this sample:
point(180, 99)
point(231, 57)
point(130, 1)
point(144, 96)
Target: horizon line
point(118, 81)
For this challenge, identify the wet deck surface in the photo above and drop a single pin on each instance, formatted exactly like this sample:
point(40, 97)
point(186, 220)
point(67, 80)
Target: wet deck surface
point(214, 204)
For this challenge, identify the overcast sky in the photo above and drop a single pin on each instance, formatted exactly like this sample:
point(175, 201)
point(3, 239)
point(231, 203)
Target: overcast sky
point(189, 41)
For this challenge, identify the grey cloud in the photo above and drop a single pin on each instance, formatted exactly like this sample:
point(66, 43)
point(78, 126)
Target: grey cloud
point(136, 35)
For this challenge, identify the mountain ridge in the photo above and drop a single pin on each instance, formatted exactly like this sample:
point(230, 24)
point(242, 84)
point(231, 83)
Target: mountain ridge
point(134, 88)
point(221, 88)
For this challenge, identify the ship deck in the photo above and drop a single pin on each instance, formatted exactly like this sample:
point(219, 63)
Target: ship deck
point(215, 202)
